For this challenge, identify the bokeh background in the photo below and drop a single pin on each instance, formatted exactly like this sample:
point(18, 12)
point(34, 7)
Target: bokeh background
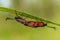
point(46, 9)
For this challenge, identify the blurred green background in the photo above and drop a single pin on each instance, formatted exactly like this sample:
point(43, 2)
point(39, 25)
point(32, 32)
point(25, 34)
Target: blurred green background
point(46, 9)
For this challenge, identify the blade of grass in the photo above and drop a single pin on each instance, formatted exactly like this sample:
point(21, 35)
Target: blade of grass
point(25, 15)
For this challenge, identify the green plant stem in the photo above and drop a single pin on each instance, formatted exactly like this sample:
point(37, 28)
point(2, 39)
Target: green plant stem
point(25, 15)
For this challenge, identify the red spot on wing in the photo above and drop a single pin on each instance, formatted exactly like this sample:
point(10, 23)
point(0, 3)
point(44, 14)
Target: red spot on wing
point(24, 22)
point(31, 23)
point(19, 20)
point(41, 24)
point(36, 24)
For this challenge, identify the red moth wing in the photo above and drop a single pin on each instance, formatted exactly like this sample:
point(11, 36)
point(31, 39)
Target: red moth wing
point(19, 20)
point(41, 24)
point(36, 24)
point(31, 23)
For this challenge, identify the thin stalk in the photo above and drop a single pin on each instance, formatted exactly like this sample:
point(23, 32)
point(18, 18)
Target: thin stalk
point(25, 15)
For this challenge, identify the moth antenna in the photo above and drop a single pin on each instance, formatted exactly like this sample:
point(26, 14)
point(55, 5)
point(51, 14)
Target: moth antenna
point(9, 18)
point(52, 27)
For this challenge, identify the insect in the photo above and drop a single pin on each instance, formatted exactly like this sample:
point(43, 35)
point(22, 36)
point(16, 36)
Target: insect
point(29, 23)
